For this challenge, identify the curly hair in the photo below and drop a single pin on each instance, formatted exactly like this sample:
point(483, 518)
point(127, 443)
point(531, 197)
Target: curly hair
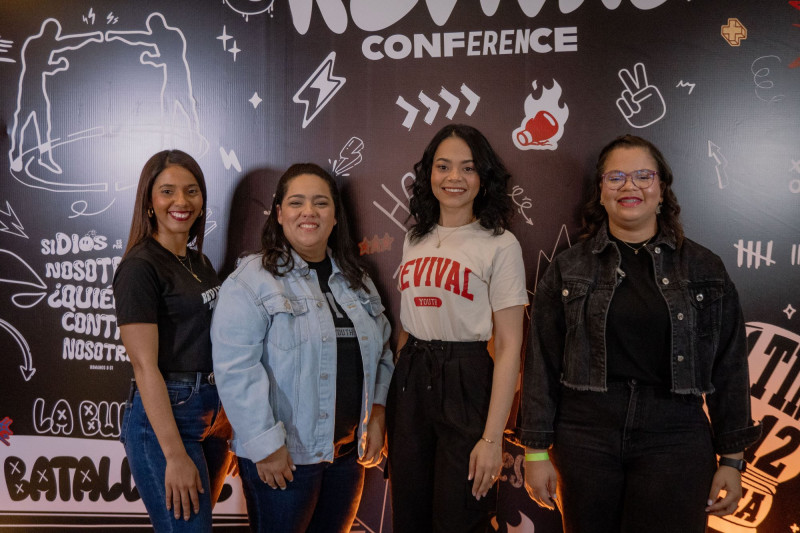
point(492, 206)
point(276, 249)
point(594, 214)
point(144, 225)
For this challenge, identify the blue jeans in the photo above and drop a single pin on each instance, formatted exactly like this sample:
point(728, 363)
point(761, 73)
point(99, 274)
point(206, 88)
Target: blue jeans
point(323, 497)
point(632, 459)
point(205, 432)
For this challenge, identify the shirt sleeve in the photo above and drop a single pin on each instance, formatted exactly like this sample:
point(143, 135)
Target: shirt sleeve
point(507, 282)
point(136, 292)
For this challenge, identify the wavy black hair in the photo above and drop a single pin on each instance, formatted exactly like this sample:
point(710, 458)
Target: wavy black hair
point(275, 248)
point(492, 206)
point(669, 220)
point(144, 225)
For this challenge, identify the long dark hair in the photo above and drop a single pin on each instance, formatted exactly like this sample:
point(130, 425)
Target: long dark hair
point(492, 207)
point(143, 225)
point(275, 248)
point(594, 214)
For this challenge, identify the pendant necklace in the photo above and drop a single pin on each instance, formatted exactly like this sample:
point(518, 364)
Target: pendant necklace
point(440, 240)
point(189, 269)
point(636, 250)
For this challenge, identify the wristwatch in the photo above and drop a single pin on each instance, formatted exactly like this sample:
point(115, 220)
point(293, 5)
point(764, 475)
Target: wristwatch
point(738, 464)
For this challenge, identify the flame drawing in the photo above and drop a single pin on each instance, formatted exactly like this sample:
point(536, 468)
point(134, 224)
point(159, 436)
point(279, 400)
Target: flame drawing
point(544, 120)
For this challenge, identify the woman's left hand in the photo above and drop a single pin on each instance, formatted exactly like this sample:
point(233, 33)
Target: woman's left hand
point(485, 462)
point(727, 479)
point(376, 430)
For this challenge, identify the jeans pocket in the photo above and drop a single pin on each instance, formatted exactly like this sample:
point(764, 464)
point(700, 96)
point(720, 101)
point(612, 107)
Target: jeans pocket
point(179, 393)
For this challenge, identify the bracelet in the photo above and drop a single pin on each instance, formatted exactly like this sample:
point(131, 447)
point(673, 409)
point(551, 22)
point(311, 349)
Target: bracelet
point(488, 440)
point(541, 456)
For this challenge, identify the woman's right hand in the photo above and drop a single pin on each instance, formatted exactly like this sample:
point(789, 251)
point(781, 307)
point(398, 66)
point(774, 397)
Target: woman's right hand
point(541, 483)
point(182, 483)
point(276, 469)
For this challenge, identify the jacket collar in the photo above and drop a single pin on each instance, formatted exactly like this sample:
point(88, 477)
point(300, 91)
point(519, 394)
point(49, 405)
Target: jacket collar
point(601, 240)
point(301, 266)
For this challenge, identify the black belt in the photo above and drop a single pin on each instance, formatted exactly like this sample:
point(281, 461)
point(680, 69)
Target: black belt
point(190, 377)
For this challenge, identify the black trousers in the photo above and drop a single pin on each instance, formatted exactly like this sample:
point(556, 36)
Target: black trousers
point(436, 413)
point(633, 459)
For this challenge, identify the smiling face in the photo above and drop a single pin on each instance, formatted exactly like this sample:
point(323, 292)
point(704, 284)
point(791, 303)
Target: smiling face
point(176, 200)
point(307, 215)
point(631, 211)
point(455, 181)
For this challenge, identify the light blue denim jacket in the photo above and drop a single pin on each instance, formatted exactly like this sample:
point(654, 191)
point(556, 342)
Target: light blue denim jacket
point(274, 350)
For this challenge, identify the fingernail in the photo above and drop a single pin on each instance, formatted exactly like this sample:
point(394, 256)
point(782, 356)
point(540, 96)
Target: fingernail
point(709, 502)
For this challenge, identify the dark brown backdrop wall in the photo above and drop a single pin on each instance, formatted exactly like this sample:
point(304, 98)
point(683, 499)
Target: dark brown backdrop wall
point(88, 90)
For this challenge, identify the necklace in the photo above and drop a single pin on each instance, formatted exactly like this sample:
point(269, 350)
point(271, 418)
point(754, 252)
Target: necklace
point(636, 250)
point(189, 269)
point(440, 240)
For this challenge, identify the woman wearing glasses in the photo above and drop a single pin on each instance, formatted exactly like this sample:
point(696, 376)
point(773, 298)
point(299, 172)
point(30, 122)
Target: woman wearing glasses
point(633, 327)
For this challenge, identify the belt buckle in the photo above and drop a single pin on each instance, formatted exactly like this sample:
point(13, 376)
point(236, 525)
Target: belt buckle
point(211, 380)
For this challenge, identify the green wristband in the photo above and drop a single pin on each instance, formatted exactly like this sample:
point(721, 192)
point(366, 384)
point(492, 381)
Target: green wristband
point(541, 456)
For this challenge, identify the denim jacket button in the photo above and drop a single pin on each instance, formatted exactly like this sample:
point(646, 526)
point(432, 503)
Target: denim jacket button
point(680, 316)
point(699, 297)
point(318, 454)
point(319, 304)
point(324, 375)
point(565, 293)
point(680, 359)
point(665, 281)
point(657, 250)
point(325, 339)
point(323, 415)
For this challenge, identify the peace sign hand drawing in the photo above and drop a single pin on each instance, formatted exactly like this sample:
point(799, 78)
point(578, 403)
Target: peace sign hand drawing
point(640, 103)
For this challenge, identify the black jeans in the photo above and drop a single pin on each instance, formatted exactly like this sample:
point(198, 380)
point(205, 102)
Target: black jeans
point(436, 412)
point(632, 459)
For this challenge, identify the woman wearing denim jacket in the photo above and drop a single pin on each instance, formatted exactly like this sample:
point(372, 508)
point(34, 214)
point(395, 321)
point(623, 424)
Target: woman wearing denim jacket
point(632, 329)
point(301, 358)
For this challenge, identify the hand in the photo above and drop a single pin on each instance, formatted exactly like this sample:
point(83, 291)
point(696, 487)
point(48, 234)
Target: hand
point(182, 483)
point(640, 103)
point(276, 469)
point(541, 483)
point(485, 462)
point(376, 432)
point(730, 480)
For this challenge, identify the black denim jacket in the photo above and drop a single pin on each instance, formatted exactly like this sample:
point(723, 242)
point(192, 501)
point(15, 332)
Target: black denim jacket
point(567, 345)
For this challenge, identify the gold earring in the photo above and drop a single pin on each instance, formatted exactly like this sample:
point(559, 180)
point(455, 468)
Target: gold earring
point(658, 209)
point(149, 212)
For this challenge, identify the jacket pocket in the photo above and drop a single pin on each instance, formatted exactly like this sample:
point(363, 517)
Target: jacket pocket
point(573, 297)
point(371, 303)
point(706, 299)
point(288, 321)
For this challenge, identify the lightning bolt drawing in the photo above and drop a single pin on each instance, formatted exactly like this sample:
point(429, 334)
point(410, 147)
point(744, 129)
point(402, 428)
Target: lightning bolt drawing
point(13, 226)
point(549, 257)
point(89, 16)
point(686, 84)
point(229, 159)
point(349, 156)
point(325, 83)
point(721, 162)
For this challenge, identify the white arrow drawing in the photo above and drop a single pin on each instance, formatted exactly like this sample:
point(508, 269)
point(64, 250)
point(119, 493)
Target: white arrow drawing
point(452, 100)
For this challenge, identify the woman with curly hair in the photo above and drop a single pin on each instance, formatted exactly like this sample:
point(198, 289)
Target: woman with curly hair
point(634, 329)
point(462, 283)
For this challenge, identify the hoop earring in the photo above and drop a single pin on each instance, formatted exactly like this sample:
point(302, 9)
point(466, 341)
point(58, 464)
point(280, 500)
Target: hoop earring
point(658, 209)
point(149, 212)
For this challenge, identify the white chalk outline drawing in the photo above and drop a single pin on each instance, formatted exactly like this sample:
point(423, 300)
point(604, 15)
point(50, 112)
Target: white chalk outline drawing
point(224, 37)
point(789, 311)
point(5, 46)
point(255, 100)
point(26, 368)
point(211, 225)
point(246, 8)
point(85, 204)
point(549, 257)
point(408, 176)
point(721, 163)
point(229, 159)
point(432, 105)
point(45, 424)
point(177, 94)
point(794, 186)
point(13, 222)
point(545, 108)
point(90, 15)
point(90, 412)
point(333, 12)
point(750, 255)
point(525, 204)
point(39, 55)
point(763, 72)
point(37, 283)
point(795, 166)
point(349, 156)
point(327, 86)
point(639, 97)
point(685, 84)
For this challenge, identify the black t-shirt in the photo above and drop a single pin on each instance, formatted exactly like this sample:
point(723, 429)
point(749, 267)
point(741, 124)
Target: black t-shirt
point(349, 367)
point(152, 286)
point(638, 329)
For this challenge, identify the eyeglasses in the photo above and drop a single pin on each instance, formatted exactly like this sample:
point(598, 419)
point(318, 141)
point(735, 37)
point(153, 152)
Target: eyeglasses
point(642, 179)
